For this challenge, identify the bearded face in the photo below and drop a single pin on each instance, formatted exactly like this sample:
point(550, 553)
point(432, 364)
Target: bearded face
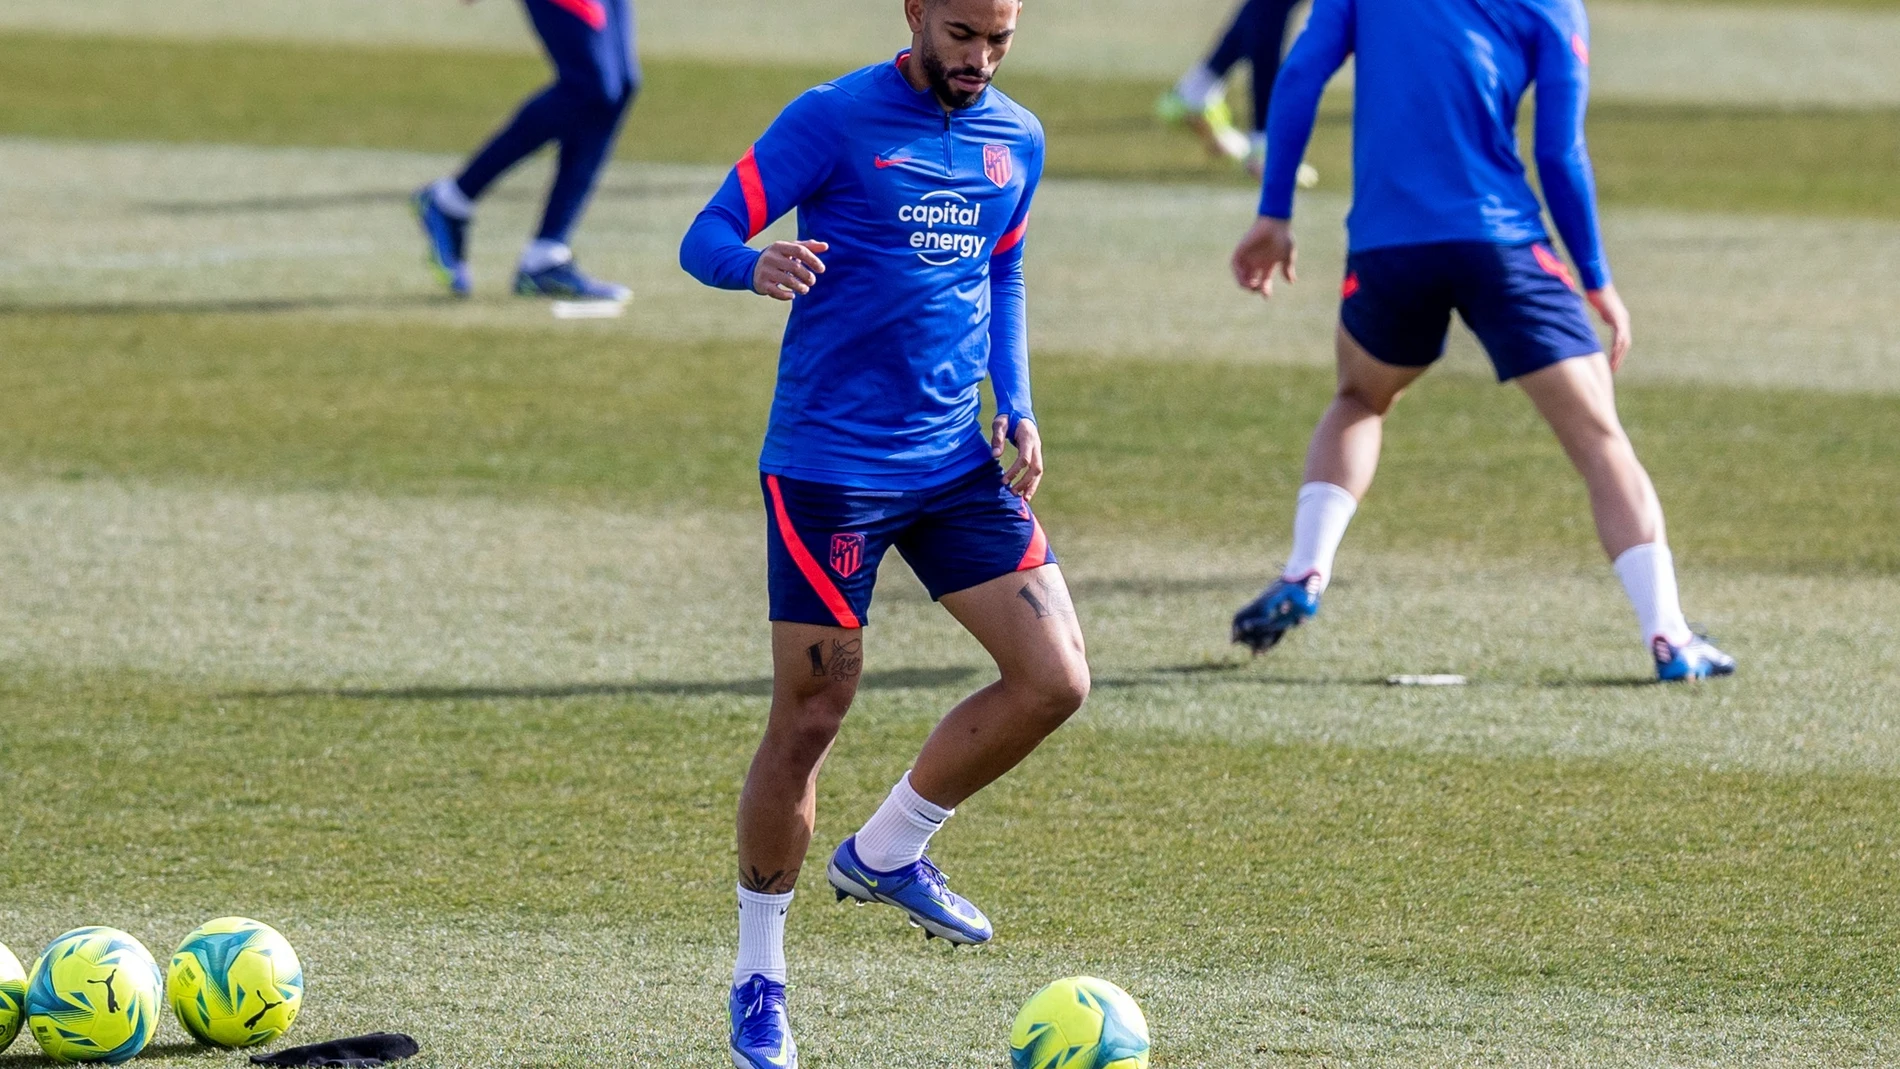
point(958, 45)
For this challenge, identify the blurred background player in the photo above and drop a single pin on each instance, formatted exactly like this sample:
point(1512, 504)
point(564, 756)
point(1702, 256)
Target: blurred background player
point(1257, 35)
point(913, 180)
point(596, 75)
point(1443, 218)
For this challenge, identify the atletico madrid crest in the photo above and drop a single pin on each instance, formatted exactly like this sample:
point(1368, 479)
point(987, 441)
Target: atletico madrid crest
point(997, 165)
point(847, 554)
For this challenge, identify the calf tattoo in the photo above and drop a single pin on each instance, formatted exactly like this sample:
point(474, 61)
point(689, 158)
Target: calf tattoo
point(760, 883)
point(845, 662)
point(1046, 598)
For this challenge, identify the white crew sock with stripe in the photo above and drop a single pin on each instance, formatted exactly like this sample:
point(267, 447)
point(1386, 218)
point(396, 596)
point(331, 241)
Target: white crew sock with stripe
point(761, 936)
point(898, 832)
point(1648, 573)
point(1319, 525)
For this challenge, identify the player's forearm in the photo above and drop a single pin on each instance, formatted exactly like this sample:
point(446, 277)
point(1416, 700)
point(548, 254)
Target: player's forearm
point(1570, 189)
point(1290, 119)
point(714, 250)
point(1009, 343)
point(1563, 156)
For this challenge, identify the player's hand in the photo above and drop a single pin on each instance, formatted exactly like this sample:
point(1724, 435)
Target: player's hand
point(1610, 306)
point(1269, 245)
point(1026, 474)
point(789, 269)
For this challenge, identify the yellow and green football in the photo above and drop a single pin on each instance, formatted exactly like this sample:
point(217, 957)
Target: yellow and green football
point(12, 997)
point(1079, 1023)
point(235, 982)
point(93, 997)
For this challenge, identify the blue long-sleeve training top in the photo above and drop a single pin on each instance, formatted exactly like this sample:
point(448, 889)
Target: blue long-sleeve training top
point(1434, 141)
point(925, 213)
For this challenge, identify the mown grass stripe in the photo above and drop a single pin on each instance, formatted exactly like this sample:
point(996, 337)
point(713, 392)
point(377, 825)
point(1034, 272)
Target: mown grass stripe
point(1813, 161)
point(1782, 480)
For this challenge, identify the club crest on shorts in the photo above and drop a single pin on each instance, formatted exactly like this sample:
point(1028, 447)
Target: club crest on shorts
point(847, 554)
point(997, 165)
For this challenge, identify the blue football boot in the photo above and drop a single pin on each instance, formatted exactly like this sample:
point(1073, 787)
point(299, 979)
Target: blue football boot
point(1279, 609)
point(565, 282)
point(447, 239)
point(761, 1033)
point(916, 889)
point(1695, 659)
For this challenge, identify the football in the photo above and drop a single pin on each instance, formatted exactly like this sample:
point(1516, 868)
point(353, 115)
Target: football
point(1079, 1023)
point(12, 997)
point(235, 982)
point(93, 997)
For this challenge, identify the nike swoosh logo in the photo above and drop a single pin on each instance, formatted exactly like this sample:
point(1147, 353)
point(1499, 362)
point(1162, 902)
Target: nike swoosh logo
point(882, 163)
point(965, 914)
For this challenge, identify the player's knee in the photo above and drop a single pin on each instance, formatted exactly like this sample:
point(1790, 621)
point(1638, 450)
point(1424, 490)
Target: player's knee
point(1375, 400)
point(810, 724)
point(1058, 693)
point(618, 98)
point(597, 94)
point(1601, 440)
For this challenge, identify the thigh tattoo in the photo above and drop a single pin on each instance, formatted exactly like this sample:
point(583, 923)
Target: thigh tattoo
point(845, 660)
point(1046, 599)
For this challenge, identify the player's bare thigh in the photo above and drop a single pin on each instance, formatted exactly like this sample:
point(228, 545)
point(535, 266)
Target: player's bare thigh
point(1577, 397)
point(815, 672)
point(1027, 622)
point(1367, 380)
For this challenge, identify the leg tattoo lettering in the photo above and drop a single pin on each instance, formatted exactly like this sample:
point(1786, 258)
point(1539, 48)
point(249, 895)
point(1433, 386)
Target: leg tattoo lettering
point(847, 659)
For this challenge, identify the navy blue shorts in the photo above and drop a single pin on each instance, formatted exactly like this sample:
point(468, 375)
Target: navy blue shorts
point(1518, 299)
point(823, 542)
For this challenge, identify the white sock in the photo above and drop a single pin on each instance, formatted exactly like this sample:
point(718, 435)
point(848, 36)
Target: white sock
point(1200, 86)
point(1648, 573)
point(761, 936)
point(897, 833)
point(1319, 525)
point(542, 254)
point(450, 199)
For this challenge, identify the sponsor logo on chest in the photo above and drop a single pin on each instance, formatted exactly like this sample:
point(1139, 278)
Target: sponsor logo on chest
point(945, 223)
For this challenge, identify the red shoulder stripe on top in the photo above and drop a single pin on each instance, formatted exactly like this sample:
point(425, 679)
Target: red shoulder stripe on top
point(1012, 239)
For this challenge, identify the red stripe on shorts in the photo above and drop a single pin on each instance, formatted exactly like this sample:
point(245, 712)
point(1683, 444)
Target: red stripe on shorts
point(814, 574)
point(754, 189)
point(1549, 262)
point(592, 12)
point(1037, 554)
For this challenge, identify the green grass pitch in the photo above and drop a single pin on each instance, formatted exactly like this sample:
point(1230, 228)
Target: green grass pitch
point(431, 634)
